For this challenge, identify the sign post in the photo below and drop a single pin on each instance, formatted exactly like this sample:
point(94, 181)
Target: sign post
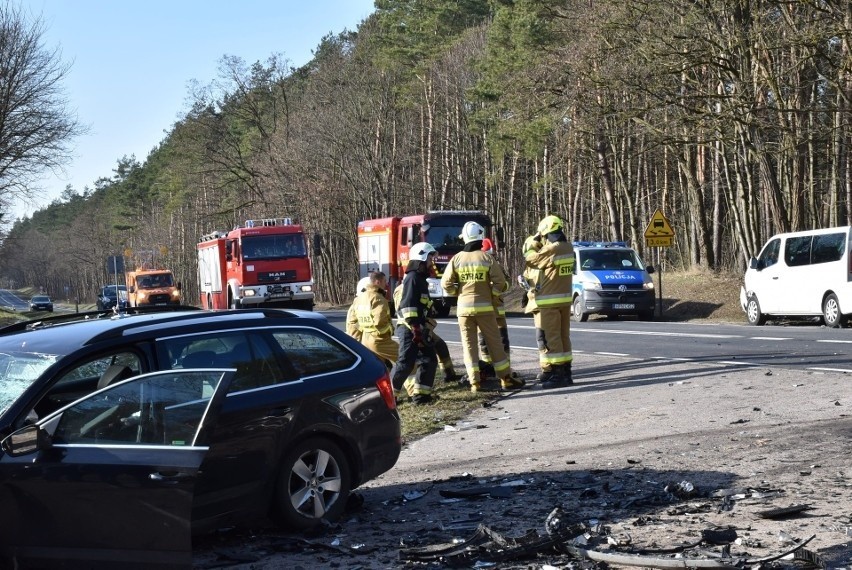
point(659, 233)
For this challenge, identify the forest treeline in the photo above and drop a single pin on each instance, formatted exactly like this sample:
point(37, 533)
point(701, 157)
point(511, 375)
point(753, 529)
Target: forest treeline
point(731, 116)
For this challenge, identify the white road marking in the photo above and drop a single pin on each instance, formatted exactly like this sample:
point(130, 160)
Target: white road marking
point(830, 369)
point(642, 333)
point(738, 363)
point(612, 353)
point(770, 338)
point(836, 341)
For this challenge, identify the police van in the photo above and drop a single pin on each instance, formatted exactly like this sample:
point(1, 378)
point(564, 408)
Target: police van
point(801, 274)
point(610, 279)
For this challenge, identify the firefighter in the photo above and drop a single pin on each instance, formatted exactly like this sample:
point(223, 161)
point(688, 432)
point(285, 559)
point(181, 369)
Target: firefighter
point(486, 365)
point(374, 318)
point(476, 279)
point(549, 260)
point(445, 360)
point(351, 315)
point(415, 344)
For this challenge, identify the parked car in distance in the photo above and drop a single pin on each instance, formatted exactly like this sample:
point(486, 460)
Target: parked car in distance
point(610, 279)
point(121, 435)
point(111, 295)
point(41, 303)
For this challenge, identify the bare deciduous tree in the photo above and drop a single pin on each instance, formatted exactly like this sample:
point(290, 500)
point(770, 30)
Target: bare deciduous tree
point(36, 125)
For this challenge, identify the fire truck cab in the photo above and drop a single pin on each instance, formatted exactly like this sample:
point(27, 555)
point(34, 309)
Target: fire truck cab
point(263, 263)
point(384, 245)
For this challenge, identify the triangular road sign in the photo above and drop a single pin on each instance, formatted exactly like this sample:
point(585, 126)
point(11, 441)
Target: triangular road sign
point(659, 226)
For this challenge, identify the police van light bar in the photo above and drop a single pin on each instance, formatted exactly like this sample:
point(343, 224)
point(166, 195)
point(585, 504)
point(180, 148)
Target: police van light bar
point(269, 222)
point(600, 244)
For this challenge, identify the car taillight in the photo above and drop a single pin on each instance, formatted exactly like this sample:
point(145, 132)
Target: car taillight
point(386, 390)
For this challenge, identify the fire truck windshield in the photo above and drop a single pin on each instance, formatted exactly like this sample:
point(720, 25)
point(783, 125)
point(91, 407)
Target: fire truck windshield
point(273, 247)
point(444, 237)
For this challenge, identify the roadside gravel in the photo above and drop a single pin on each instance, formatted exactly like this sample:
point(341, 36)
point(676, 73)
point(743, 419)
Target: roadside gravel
point(604, 450)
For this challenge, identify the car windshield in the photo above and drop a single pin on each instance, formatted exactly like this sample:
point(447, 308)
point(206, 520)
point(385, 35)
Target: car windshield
point(18, 370)
point(110, 292)
point(273, 247)
point(155, 281)
point(595, 259)
point(41, 299)
point(444, 234)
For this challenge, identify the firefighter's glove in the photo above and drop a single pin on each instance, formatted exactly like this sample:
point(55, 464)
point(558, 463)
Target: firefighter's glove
point(417, 334)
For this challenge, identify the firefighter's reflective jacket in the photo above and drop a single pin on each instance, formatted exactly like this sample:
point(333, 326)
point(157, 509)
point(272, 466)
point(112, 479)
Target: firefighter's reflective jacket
point(397, 299)
point(373, 312)
point(550, 268)
point(414, 302)
point(476, 278)
point(352, 321)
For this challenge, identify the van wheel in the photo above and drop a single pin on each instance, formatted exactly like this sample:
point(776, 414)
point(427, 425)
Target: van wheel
point(313, 484)
point(753, 314)
point(831, 312)
point(646, 315)
point(578, 313)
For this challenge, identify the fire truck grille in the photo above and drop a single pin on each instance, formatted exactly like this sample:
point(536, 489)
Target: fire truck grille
point(277, 276)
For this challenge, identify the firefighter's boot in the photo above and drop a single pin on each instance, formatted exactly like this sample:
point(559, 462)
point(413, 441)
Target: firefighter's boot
point(565, 374)
point(450, 375)
point(550, 379)
point(487, 369)
point(512, 382)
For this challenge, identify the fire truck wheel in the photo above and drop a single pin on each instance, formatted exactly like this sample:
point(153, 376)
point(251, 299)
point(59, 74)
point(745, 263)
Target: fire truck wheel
point(232, 302)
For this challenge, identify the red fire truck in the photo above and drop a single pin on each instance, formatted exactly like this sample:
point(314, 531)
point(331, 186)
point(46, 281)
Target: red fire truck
point(384, 244)
point(263, 263)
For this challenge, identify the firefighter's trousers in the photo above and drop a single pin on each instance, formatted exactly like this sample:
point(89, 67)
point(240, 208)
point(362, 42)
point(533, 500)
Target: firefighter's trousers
point(411, 355)
point(444, 358)
point(383, 345)
point(504, 336)
point(553, 333)
point(487, 324)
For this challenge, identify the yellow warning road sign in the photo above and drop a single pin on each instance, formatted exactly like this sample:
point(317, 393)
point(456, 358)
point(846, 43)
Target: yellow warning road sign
point(659, 227)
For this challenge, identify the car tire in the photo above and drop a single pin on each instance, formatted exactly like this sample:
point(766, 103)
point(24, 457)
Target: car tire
point(753, 313)
point(831, 314)
point(313, 485)
point(577, 310)
point(646, 316)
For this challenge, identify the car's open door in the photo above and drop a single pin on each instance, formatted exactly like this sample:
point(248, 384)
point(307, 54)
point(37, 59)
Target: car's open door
point(108, 480)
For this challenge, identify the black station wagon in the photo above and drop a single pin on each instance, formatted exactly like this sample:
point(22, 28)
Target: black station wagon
point(122, 435)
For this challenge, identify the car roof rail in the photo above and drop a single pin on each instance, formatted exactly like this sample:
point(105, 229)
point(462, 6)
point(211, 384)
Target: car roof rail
point(59, 319)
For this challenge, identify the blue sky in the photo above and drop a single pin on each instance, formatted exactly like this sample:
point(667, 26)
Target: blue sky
point(131, 63)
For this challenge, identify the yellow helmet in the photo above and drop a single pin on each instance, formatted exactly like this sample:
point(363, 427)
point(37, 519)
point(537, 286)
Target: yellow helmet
point(550, 224)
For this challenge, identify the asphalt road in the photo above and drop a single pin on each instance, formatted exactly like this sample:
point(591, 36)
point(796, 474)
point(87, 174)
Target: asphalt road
point(11, 301)
point(795, 345)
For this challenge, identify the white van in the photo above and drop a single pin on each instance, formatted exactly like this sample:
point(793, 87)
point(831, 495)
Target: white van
point(801, 274)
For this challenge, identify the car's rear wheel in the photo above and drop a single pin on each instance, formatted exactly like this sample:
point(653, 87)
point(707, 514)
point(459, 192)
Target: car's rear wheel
point(313, 485)
point(646, 315)
point(831, 312)
point(753, 313)
point(577, 311)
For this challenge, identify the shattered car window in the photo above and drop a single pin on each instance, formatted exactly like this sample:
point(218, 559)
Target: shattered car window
point(17, 372)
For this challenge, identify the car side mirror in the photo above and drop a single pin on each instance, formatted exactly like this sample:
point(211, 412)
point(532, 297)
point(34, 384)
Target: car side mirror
point(753, 263)
point(131, 289)
point(649, 269)
point(178, 286)
point(26, 440)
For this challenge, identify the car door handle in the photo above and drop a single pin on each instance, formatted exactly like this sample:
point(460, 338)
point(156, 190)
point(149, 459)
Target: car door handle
point(170, 477)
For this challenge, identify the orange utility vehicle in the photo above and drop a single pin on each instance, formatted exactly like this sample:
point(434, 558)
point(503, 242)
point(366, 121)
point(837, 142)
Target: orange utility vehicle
point(147, 287)
point(263, 263)
point(384, 245)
